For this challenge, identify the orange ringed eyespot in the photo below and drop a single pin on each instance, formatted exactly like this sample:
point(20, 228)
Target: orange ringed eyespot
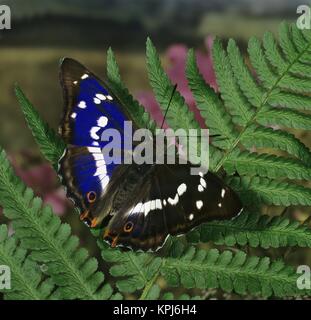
point(91, 196)
point(128, 227)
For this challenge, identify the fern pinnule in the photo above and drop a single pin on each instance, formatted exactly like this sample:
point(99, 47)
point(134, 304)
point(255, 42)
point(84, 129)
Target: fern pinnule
point(254, 230)
point(27, 281)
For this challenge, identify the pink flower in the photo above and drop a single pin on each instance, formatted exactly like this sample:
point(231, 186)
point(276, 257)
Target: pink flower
point(177, 55)
point(43, 180)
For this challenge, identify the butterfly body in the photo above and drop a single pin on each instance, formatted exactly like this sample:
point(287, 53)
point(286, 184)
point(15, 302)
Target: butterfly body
point(138, 205)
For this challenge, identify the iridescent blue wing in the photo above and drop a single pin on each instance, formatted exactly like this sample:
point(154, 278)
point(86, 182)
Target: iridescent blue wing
point(90, 108)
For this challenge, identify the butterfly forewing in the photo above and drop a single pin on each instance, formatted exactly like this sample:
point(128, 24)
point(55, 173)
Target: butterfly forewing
point(90, 108)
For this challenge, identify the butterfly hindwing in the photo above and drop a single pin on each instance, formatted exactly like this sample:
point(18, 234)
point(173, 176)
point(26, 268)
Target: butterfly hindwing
point(173, 203)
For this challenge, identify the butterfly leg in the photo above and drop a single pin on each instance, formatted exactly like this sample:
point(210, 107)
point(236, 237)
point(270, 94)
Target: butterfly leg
point(94, 222)
point(84, 215)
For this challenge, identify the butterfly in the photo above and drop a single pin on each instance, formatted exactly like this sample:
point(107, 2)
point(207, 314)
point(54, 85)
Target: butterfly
point(138, 206)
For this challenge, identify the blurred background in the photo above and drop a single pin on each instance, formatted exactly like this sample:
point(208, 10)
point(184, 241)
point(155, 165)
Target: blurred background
point(43, 31)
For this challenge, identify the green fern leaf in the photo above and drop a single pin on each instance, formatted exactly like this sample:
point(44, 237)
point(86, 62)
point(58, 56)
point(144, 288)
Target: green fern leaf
point(198, 268)
point(284, 117)
point(210, 106)
point(259, 62)
point(239, 107)
point(178, 115)
point(27, 281)
point(51, 145)
point(286, 43)
point(272, 53)
point(262, 190)
point(266, 165)
point(138, 113)
point(262, 137)
point(289, 100)
point(136, 270)
point(254, 230)
point(248, 85)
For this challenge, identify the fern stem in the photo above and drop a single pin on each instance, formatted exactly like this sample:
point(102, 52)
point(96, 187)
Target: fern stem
point(149, 285)
point(263, 103)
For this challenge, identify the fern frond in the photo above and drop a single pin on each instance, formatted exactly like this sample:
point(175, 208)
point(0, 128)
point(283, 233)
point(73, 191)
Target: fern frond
point(240, 109)
point(284, 117)
point(178, 115)
point(50, 241)
point(261, 137)
point(244, 78)
point(254, 230)
point(272, 52)
point(266, 165)
point(51, 145)
point(136, 270)
point(209, 104)
point(198, 268)
point(271, 192)
point(291, 100)
point(287, 44)
point(140, 116)
point(260, 64)
point(27, 280)
point(277, 84)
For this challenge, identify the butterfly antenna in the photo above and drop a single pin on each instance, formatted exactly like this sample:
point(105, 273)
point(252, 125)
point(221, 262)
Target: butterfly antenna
point(168, 106)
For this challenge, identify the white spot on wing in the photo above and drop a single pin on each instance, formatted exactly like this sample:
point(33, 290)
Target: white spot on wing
point(101, 171)
point(191, 216)
point(109, 97)
point(199, 204)
point(174, 201)
point(203, 182)
point(73, 115)
point(97, 101)
point(100, 96)
point(82, 105)
point(102, 121)
point(223, 192)
point(98, 156)
point(94, 150)
point(182, 189)
point(137, 208)
point(100, 163)
point(219, 205)
point(147, 207)
point(200, 188)
point(93, 132)
point(153, 205)
point(84, 76)
point(158, 204)
point(104, 180)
